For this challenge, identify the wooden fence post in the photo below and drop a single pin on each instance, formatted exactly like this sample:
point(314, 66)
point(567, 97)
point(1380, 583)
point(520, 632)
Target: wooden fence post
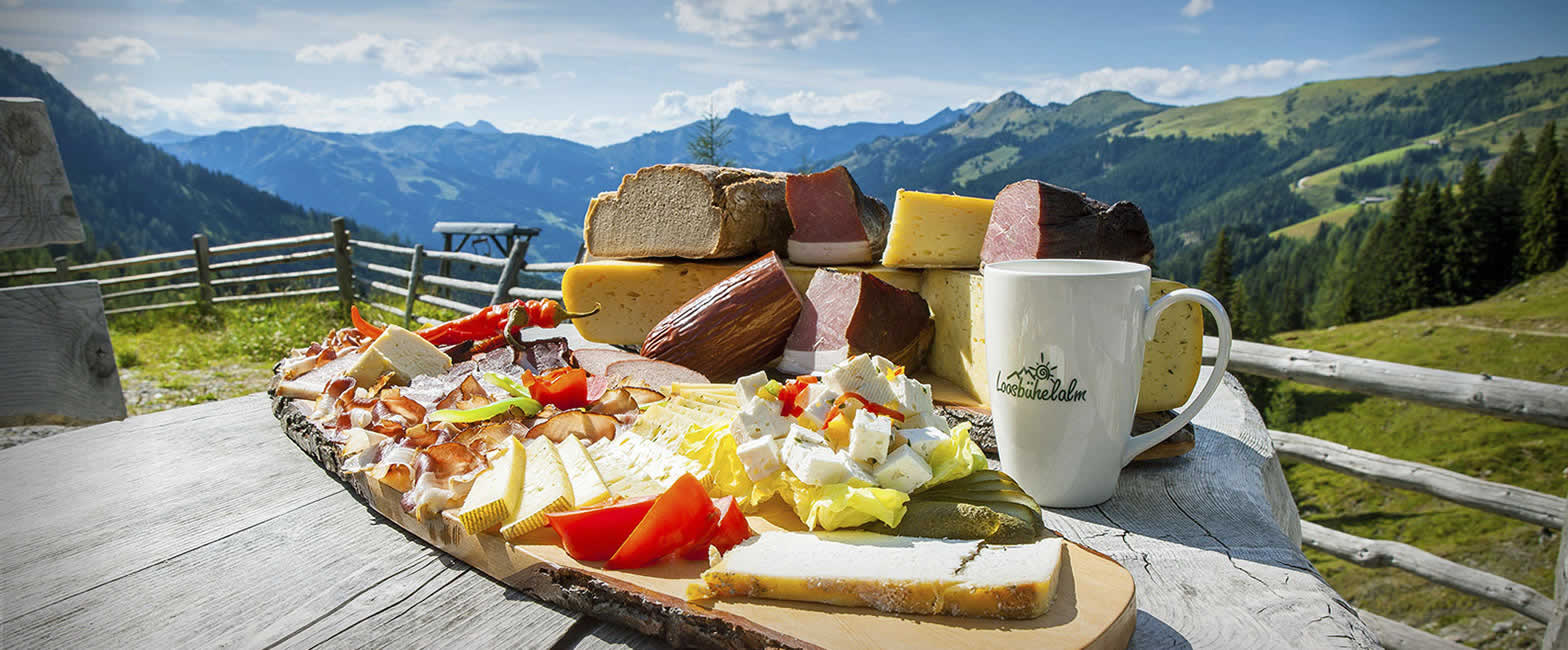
point(340, 253)
point(1557, 629)
point(204, 292)
point(416, 270)
point(62, 269)
point(514, 263)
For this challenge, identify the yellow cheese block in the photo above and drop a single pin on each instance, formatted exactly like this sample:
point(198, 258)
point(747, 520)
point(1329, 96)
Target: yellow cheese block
point(1172, 358)
point(403, 353)
point(546, 488)
point(637, 294)
point(496, 492)
point(588, 486)
point(957, 299)
point(936, 230)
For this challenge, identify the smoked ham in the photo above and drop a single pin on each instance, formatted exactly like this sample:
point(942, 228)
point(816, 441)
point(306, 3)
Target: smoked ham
point(735, 327)
point(835, 223)
point(1033, 220)
point(847, 314)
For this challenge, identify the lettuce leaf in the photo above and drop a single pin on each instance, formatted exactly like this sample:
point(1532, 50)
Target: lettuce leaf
point(841, 505)
point(956, 457)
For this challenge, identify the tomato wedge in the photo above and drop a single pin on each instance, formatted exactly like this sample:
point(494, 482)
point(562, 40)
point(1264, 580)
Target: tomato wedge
point(593, 534)
point(566, 388)
point(730, 529)
point(679, 517)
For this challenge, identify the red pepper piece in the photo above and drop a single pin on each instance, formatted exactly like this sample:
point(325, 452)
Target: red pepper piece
point(875, 408)
point(593, 534)
point(360, 324)
point(566, 388)
point(788, 396)
point(678, 517)
point(496, 320)
point(730, 529)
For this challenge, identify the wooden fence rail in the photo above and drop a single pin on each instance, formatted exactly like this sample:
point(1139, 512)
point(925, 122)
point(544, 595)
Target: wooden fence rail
point(1513, 399)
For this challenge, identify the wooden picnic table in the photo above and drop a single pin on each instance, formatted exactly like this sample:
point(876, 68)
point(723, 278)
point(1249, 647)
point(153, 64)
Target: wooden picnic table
point(204, 525)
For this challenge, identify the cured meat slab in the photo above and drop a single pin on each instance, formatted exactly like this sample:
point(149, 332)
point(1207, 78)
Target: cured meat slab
point(1094, 606)
point(835, 223)
point(1034, 220)
point(846, 314)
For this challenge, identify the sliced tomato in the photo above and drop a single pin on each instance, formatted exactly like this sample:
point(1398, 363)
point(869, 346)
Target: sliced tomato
point(593, 534)
point(679, 517)
point(566, 388)
point(730, 529)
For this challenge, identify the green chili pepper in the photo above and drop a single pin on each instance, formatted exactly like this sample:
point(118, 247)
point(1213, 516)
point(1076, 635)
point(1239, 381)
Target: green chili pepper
point(510, 385)
point(529, 406)
point(649, 405)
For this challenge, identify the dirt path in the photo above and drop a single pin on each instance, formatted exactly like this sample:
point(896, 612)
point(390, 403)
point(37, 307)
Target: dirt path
point(1488, 328)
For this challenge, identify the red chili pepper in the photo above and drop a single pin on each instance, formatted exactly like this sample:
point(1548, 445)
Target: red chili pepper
point(501, 319)
point(360, 324)
point(566, 388)
point(679, 517)
point(593, 534)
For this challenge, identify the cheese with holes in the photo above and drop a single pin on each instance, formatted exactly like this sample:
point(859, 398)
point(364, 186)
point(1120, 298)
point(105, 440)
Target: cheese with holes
point(1172, 359)
point(937, 230)
point(496, 492)
point(402, 353)
point(588, 486)
point(636, 295)
point(546, 488)
point(957, 299)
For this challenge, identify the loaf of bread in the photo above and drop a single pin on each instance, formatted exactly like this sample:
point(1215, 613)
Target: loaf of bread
point(690, 211)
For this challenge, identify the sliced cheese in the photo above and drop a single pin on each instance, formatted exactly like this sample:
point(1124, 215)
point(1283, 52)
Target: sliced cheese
point(1171, 360)
point(588, 486)
point(546, 488)
point(643, 292)
point(496, 492)
point(957, 299)
point(936, 230)
point(403, 353)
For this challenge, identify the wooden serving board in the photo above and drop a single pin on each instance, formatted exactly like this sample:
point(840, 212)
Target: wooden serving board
point(954, 402)
point(1094, 605)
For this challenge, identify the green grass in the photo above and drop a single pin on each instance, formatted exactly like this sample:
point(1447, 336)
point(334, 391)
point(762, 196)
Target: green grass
point(1309, 228)
point(1527, 455)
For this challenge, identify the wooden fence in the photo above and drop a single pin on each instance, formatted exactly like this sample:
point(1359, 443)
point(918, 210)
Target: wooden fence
point(335, 244)
point(1496, 396)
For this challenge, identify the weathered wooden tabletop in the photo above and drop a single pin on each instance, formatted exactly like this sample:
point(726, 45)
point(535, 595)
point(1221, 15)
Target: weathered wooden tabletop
point(206, 526)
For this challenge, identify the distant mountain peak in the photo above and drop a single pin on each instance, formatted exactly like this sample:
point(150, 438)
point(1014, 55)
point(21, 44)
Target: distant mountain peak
point(1011, 99)
point(480, 126)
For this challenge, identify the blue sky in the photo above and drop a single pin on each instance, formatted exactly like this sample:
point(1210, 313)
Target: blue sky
point(600, 72)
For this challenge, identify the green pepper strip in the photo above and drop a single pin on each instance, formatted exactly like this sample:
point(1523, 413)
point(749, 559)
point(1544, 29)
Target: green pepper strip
point(510, 385)
point(529, 406)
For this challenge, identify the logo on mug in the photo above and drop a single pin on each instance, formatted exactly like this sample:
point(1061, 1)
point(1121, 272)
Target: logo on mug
point(1039, 382)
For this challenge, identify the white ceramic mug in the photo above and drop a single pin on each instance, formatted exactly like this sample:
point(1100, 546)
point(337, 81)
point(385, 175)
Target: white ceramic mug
point(1064, 348)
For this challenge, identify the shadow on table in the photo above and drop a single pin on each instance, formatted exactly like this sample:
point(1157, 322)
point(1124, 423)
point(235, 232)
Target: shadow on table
point(1151, 632)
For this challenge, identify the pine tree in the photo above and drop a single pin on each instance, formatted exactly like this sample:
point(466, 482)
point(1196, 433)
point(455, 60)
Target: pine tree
point(1482, 242)
point(1541, 245)
point(1217, 280)
point(1374, 287)
point(712, 137)
point(1545, 152)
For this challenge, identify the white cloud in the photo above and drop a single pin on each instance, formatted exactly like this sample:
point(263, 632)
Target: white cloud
point(1197, 8)
point(123, 50)
point(774, 23)
point(1394, 49)
point(1166, 84)
point(50, 60)
point(466, 101)
point(104, 78)
point(443, 57)
point(219, 105)
point(389, 97)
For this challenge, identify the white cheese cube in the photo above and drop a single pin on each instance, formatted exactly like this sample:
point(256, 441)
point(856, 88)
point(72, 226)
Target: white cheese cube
point(904, 470)
point(802, 436)
point(858, 476)
point(818, 400)
point(869, 436)
point(849, 375)
point(927, 419)
point(882, 365)
point(924, 439)
point(759, 418)
point(817, 465)
point(746, 387)
point(760, 456)
point(913, 397)
point(879, 390)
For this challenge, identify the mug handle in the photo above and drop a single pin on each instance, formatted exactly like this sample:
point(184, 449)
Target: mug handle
point(1141, 443)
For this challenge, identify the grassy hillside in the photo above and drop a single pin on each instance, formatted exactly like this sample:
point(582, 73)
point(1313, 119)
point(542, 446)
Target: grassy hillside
point(1520, 333)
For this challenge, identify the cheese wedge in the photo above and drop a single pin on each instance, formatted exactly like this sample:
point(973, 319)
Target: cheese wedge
point(588, 486)
point(403, 353)
point(936, 230)
point(644, 292)
point(496, 492)
point(957, 299)
point(911, 575)
point(546, 488)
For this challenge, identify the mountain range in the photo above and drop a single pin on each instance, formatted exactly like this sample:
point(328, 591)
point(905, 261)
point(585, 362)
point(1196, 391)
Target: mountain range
point(404, 181)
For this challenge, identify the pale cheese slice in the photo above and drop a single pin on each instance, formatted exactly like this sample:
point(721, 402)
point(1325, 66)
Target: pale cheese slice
point(546, 489)
point(588, 486)
point(496, 492)
point(403, 353)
